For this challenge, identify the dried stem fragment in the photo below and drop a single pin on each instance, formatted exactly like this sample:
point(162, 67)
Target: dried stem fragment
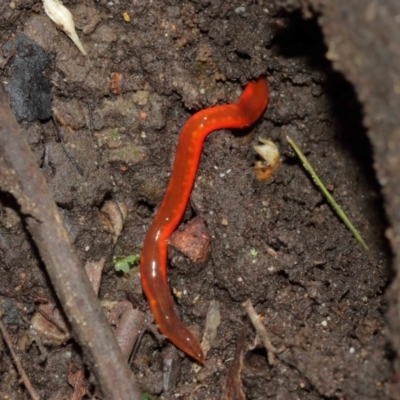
point(261, 332)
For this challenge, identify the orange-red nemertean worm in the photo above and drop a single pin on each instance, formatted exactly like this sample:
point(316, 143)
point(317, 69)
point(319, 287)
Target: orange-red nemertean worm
point(153, 262)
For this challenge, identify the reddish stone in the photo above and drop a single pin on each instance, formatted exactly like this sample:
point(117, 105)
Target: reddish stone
point(193, 240)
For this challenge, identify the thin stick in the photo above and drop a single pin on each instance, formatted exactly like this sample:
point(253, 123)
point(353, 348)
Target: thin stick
point(66, 151)
point(261, 332)
point(17, 362)
point(91, 130)
point(326, 193)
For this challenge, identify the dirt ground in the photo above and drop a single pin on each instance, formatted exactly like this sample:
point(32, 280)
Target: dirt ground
point(321, 296)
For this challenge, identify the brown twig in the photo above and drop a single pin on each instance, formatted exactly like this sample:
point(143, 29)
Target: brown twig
point(21, 177)
point(66, 151)
point(18, 364)
point(261, 332)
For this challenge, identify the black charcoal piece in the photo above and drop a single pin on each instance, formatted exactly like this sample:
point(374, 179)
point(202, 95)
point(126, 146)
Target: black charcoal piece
point(28, 88)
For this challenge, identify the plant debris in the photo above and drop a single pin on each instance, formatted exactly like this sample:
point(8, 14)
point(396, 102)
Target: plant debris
point(63, 18)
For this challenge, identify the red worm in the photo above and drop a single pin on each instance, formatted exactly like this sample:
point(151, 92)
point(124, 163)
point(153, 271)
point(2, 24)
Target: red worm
point(153, 262)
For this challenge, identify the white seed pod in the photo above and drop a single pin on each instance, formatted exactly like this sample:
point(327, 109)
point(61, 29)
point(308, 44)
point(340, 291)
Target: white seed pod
point(63, 18)
point(270, 155)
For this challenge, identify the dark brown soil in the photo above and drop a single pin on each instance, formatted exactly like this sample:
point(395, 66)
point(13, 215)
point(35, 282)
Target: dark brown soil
point(322, 295)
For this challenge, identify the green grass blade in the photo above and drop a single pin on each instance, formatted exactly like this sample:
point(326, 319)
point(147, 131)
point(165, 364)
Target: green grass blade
point(326, 193)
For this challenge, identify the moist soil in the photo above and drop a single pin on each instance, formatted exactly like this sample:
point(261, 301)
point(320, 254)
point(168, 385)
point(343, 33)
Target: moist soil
point(119, 111)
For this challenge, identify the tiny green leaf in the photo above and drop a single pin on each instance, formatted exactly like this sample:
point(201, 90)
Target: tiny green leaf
point(147, 396)
point(253, 252)
point(124, 264)
point(132, 259)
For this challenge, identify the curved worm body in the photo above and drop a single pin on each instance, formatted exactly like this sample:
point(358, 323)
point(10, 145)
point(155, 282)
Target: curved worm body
point(153, 261)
